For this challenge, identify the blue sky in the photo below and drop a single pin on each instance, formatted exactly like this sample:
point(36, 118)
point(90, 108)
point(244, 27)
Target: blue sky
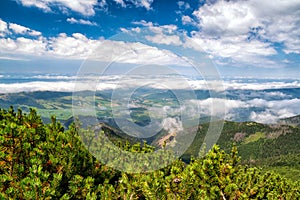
point(243, 38)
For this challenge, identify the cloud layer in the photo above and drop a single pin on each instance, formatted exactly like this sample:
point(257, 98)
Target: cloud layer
point(242, 103)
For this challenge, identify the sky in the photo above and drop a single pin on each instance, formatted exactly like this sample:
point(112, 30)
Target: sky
point(246, 38)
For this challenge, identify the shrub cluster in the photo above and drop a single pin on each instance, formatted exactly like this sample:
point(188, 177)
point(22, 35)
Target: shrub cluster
point(45, 161)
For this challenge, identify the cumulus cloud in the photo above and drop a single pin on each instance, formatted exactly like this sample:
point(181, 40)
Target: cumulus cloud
point(263, 117)
point(9, 28)
point(162, 34)
point(218, 107)
point(121, 2)
point(39, 4)
point(143, 3)
point(238, 49)
point(187, 20)
point(137, 3)
point(81, 21)
point(143, 23)
point(73, 46)
point(272, 115)
point(183, 5)
point(3, 28)
point(126, 30)
point(280, 21)
point(18, 29)
point(23, 45)
point(226, 18)
point(155, 28)
point(245, 31)
point(85, 7)
point(78, 46)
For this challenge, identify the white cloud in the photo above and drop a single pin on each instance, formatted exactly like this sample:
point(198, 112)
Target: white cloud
point(13, 58)
point(81, 21)
point(59, 86)
point(127, 52)
point(164, 39)
point(226, 18)
point(155, 28)
point(218, 107)
point(36, 86)
point(263, 117)
point(187, 20)
point(244, 31)
point(23, 46)
point(143, 23)
point(3, 28)
point(78, 46)
point(37, 3)
point(256, 87)
point(137, 3)
point(238, 49)
point(85, 7)
point(231, 85)
point(143, 3)
point(271, 112)
point(183, 5)
point(121, 2)
point(164, 34)
point(125, 30)
point(274, 110)
point(276, 94)
point(18, 29)
point(272, 115)
point(82, 83)
point(281, 22)
point(172, 125)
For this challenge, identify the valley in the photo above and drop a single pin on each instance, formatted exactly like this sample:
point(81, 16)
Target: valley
point(272, 146)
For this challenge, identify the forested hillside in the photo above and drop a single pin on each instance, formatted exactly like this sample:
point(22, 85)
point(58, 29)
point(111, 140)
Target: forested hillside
point(273, 147)
point(47, 161)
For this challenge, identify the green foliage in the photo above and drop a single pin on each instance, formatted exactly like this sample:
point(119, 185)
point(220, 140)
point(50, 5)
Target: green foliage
point(45, 161)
